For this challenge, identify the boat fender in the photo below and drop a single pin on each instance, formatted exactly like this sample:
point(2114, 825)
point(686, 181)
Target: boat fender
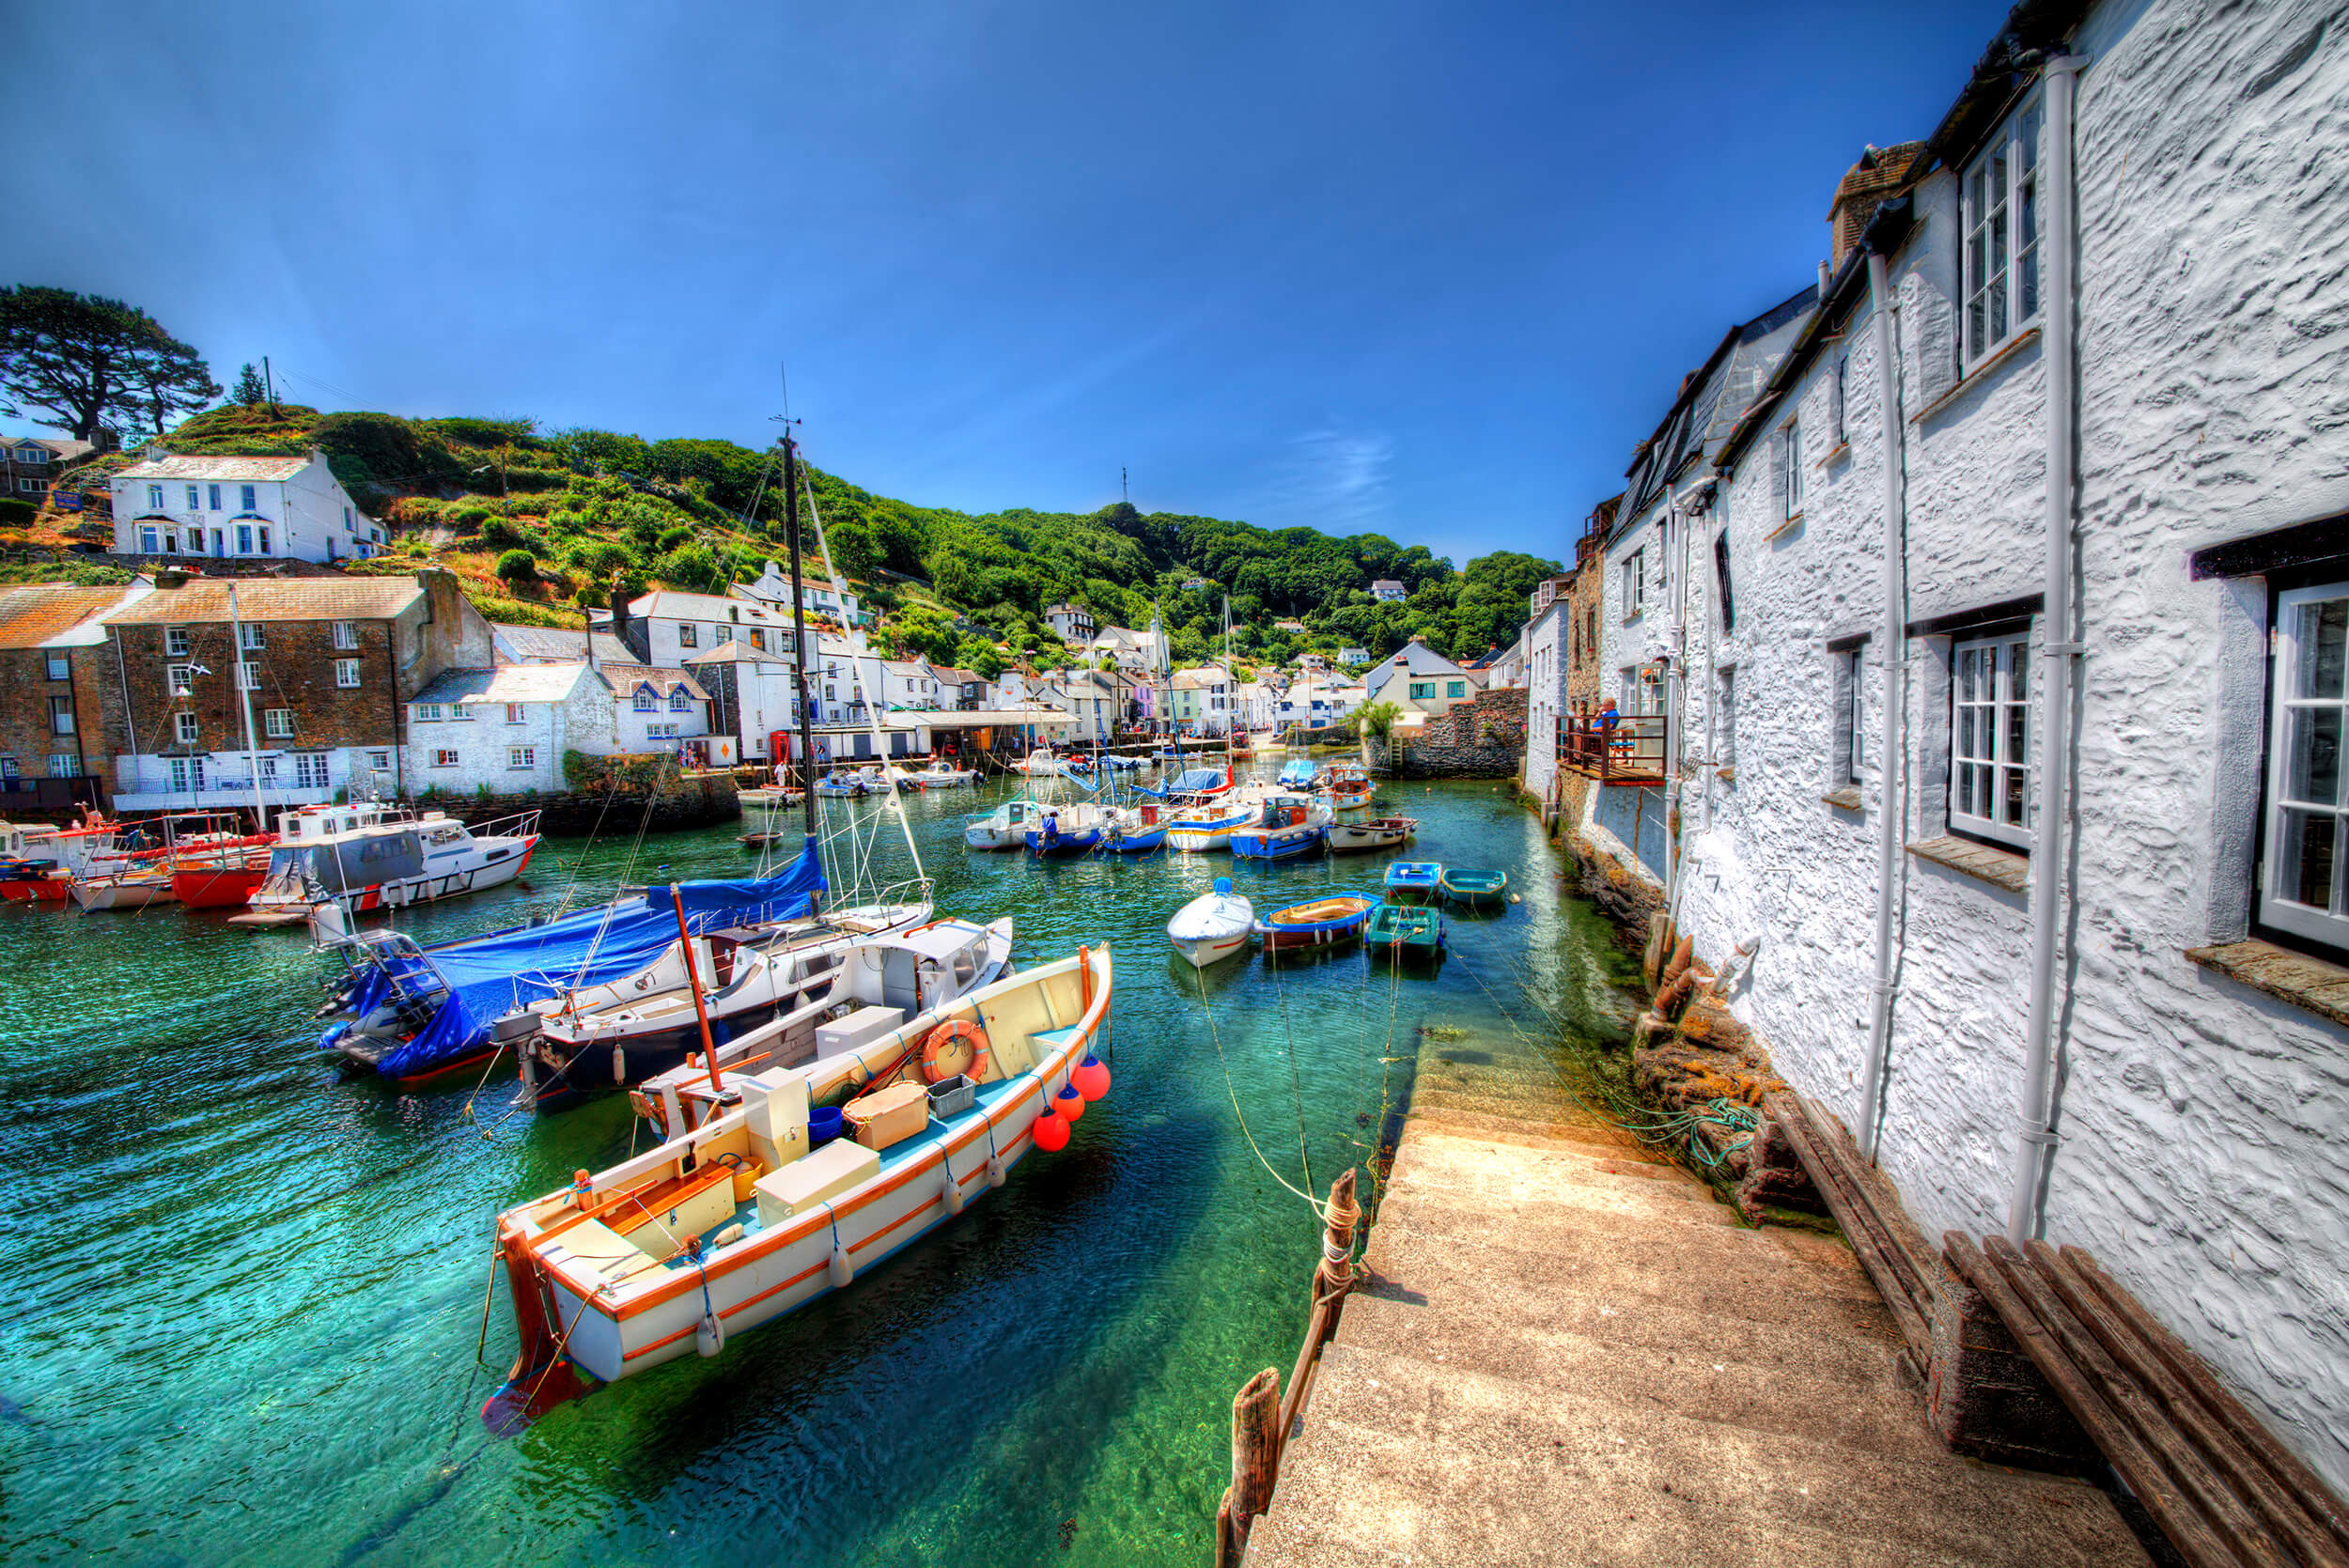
point(731, 1235)
point(333, 1033)
point(995, 1171)
point(1091, 1079)
point(951, 1191)
point(620, 1062)
point(842, 1270)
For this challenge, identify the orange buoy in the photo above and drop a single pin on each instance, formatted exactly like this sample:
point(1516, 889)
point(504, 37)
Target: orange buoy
point(1069, 1103)
point(1091, 1079)
point(935, 1057)
point(1050, 1132)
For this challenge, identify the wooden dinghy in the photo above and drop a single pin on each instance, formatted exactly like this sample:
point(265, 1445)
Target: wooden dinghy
point(1318, 923)
point(1477, 890)
point(764, 1207)
point(1380, 832)
point(1399, 932)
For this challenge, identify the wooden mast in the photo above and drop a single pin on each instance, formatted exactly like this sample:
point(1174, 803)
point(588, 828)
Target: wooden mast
point(799, 626)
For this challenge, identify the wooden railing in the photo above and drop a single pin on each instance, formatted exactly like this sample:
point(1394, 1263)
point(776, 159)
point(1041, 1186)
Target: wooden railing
point(1629, 748)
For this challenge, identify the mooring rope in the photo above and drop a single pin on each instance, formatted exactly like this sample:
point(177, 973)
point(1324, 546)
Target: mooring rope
point(1320, 1211)
point(1297, 1092)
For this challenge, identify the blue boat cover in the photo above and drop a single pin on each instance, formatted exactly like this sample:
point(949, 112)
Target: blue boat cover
point(1191, 781)
point(488, 976)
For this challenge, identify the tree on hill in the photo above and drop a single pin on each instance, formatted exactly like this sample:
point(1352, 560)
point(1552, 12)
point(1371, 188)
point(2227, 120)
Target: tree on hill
point(250, 391)
point(83, 361)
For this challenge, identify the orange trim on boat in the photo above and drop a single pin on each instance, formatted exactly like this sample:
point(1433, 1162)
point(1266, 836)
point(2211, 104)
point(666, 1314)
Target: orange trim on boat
point(910, 1214)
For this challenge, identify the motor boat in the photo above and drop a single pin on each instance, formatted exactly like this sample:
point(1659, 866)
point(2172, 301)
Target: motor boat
point(1004, 827)
point(1349, 788)
point(1415, 881)
point(1380, 832)
point(1299, 773)
point(1213, 926)
point(1061, 830)
point(1209, 827)
point(1476, 890)
point(1135, 829)
point(766, 1205)
point(1286, 826)
point(943, 775)
point(852, 992)
point(365, 857)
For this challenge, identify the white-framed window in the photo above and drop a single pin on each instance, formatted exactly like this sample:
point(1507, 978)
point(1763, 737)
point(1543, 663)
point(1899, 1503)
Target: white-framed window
point(60, 667)
point(214, 496)
point(196, 541)
point(346, 634)
point(150, 541)
point(347, 524)
point(686, 635)
point(345, 672)
point(379, 762)
point(61, 715)
point(445, 757)
point(175, 641)
point(154, 498)
point(521, 758)
point(31, 487)
point(65, 765)
point(244, 538)
point(264, 540)
point(249, 497)
point(269, 768)
point(660, 732)
point(1635, 583)
point(1839, 375)
point(187, 774)
point(248, 675)
point(724, 635)
point(427, 713)
point(250, 635)
point(1990, 739)
point(1790, 476)
point(195, 499)
point(2301, 890)
point(277, 723)
point(515, 714)
point(171, 541)
point(310, 770)
point(678, 701)
point(178, 678)
point(1851, 710)
point(1999, 222)
point(645, 701)
point(184, 727)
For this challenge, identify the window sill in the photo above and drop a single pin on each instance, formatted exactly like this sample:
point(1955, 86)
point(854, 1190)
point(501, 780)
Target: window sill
point(2001, 868)
point(1972, 379)
point(1847, 799)
point(1782, 529)
point(2321, 987)
point(1842, 449)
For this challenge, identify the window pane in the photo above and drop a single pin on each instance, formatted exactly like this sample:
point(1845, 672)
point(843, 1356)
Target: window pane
point(1966, 733)
point(2313, 756)
point(2320, 637)
point(2018, 734)
point(2012, 814)
point(1966, 790)
point(1968, 667)
point(2018, 671)
point(2307, 874)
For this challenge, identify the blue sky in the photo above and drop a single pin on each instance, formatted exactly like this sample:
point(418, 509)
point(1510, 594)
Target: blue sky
point(1426, 270)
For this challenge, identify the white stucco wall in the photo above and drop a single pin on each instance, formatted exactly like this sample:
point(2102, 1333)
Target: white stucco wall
point(309, 516)
point(2205, 1127)
point(1546, 694)
point(483, 742)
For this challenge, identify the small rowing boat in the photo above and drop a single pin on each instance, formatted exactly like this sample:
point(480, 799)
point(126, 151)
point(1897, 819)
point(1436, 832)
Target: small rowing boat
point(1401, 931)
point(1414, 881)
point(1213, 926)
point(1380, 832)
point(1004, 827)
point(1315, 924)
point(1477, 890)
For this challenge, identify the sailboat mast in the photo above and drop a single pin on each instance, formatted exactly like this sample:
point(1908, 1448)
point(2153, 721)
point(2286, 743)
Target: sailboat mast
point(244, 699)
point(799, 629)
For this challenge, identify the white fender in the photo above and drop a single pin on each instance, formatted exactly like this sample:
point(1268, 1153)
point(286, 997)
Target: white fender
point(951, 1190)
point(620, 1062)
point(709, 1335)
point(995, 1171)
point(842, 1270)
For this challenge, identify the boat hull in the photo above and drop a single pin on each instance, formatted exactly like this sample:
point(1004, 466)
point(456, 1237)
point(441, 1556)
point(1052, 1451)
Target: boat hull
point(1477, 894)
point(37, 890)
point(112, 895)
point(1062, 845)
point(1202, 952)
point(1281, 843)
point(1137, 843)
point(217, 888)
point(569, 1073)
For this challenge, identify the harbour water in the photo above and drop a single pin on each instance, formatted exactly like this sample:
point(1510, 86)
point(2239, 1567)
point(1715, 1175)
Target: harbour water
point(248, 1290)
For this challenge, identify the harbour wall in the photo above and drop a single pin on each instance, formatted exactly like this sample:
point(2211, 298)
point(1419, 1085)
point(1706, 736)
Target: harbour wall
point(1483, 737)
point(679, 804)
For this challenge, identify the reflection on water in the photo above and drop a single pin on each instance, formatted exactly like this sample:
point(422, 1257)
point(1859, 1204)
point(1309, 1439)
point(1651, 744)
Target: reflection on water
point(248, 1290)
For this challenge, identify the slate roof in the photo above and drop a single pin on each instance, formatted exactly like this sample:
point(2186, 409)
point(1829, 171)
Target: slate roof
point(677, 605)
point(39, 613)
point(557, 645)
point(215, 467)
point(63, 448)
point(303, 598)
point(626, 678)
point(735, 651)
point(507, 683)
point(1707, 406)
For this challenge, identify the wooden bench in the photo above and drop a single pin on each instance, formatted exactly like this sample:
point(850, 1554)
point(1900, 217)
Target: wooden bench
point(2212, 1479)
point(1895, 1255)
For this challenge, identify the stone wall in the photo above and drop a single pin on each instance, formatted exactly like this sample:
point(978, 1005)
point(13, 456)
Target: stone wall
point(682, 803)
point(1483, 737)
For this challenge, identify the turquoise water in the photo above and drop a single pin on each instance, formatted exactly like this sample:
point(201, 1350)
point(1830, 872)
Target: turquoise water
point(247, 1290)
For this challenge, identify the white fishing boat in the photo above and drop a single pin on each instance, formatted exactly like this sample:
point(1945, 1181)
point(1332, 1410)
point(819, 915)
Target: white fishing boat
point(752, 1213)
point(1379, 832)
point(1200, 830)
point(854, 990)
point(1213, 926)
point(123, 890)
point(1004, 827)
point(944, 775)
point(359, 857)
point(1349, 789)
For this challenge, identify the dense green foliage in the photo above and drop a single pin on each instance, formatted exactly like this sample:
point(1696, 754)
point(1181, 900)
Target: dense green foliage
point(83, 360)
point(585, 505)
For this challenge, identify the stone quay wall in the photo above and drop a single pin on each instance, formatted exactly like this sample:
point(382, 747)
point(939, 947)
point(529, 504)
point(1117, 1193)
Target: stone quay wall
point(1483, 737)
point(680, 804)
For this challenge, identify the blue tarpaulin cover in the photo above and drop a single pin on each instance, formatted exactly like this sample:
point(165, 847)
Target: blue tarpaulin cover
point(1192, 781)
point(491, 975)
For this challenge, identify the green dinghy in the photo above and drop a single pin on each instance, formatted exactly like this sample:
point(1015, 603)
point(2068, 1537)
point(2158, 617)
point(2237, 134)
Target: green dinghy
point(1477, 890)
point(1401, 931)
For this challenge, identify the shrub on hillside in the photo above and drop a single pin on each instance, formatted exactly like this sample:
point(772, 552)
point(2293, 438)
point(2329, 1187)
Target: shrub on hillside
point(468, 431)
point(498, 534)
point(691, 566)
point(599, 558)
point(518, 566)
point(15, 513)
point(393, 450)
point(671, 538)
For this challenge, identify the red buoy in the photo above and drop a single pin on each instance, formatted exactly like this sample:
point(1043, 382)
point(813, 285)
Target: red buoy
point(1069, 1103)
point(1050, 1132)
point(1091, 1079)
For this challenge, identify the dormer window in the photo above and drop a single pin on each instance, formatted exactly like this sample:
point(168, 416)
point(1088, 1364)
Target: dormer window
point(647, 702)
point(678, 701)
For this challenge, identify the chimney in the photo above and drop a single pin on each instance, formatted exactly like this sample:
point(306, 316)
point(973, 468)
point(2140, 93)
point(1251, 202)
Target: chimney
point(1875, 178)
point(623, 628)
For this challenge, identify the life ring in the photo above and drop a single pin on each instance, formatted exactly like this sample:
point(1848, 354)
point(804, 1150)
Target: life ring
point(959, 1028)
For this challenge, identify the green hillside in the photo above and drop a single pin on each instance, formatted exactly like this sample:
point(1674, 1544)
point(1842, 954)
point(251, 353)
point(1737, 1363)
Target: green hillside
point(538, 521)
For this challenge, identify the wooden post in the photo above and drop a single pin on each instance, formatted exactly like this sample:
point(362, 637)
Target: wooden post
point(693, 983)
point(1256, 1460)
point(1332, 1279)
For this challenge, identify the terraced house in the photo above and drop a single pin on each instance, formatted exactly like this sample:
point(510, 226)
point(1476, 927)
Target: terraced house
point(261, 508)
point(60, 697)
point(1995, 637)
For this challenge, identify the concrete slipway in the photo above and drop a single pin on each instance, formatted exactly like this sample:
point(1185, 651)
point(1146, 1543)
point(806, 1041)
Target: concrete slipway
point(1569, 1353)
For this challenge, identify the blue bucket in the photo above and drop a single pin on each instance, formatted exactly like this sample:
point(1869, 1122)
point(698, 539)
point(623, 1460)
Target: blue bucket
point(824, 1125)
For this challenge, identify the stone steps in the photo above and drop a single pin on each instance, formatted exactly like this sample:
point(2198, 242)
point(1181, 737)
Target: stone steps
point(1512, 1129)
point(1446, 1159)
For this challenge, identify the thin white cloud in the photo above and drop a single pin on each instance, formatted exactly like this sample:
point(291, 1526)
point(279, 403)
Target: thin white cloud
point(1334, 479)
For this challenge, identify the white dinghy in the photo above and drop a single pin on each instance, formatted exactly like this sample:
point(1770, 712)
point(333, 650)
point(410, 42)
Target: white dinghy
point(1213, 926)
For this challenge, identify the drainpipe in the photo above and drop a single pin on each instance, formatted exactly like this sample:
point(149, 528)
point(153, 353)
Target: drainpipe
point(1892, 645)
point(2035, 1139)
